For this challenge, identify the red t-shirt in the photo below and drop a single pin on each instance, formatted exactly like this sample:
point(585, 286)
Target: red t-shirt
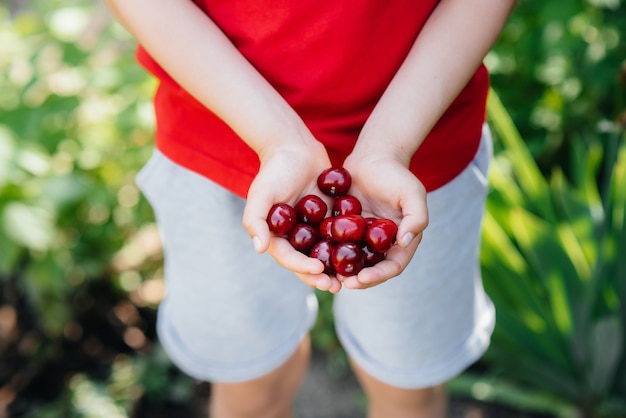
point(331, 61)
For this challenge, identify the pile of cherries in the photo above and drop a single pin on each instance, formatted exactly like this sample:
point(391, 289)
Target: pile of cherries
point(346, 241)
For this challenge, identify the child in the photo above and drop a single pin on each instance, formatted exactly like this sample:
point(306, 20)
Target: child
point(255, 99)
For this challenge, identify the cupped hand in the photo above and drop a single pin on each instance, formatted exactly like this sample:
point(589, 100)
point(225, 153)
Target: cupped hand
point(287, 173)
point(387, 189)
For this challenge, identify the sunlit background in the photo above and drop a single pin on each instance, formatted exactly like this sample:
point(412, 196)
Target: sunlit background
point(80, 260)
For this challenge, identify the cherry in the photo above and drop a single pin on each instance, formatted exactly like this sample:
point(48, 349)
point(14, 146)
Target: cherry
point(347, 258)
point(345, 242)
point(348, 228)
point(281, 219)
point(347, 205)
point(323, 251)
point(381, 235)
point(334, 181)
point(311, 209)
point(369, 221)
point(371, 258)
point(325, 228)
point(303, 237)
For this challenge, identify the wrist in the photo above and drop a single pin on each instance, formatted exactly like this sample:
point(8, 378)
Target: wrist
point(385, 138)
point(371, 155)
point(298, 148)
point(298, 140)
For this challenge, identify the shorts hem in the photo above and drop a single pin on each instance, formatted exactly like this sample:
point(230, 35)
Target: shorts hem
point(194, 366)
point(454, 363)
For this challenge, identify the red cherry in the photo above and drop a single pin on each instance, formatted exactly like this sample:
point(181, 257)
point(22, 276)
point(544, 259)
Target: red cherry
point(371, 257)
point(347, 205)
point(323, 251)
point(348, 228)
point(347, 258)
point(325, 228)
point(334, 181)
point(303, 237)
point(311, 209)
point(381, 235)
point(281, 219)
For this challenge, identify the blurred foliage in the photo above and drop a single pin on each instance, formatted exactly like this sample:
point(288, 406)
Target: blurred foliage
point(553, 263)
point(556, 67)
point(75, 119)
point(80, 261)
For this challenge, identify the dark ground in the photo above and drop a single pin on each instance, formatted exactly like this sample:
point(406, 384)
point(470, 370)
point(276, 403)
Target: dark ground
point(327, 396)
point(324, 395)
point(35, 369)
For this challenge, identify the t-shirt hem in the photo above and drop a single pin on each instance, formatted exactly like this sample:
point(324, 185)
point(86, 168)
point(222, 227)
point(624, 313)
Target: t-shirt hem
point(227, 176)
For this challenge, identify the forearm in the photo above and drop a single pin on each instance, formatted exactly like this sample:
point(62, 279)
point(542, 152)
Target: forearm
point(195, 52)
point(446, 54)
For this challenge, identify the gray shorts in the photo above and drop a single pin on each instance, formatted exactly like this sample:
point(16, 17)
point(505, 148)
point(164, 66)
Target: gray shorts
point(230, 314)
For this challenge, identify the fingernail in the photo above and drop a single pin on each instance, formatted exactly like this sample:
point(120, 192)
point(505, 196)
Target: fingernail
point(406, 239)
point(256, 241)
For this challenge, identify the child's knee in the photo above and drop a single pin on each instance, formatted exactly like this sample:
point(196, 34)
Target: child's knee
point(271, 395)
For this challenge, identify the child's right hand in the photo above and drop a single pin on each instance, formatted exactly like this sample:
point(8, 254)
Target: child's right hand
point(288, 172)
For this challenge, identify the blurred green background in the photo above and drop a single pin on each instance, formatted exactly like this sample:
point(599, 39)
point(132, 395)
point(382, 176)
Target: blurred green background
point(80, 261)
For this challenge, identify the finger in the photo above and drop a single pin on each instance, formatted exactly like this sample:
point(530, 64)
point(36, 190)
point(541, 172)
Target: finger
point(335, 286)
point(286, 256)
point(352, 282)
point(414, 218)
point(254, 221)
point(259, 232)
point(379, 273)
point(321, 281)
point(393, 265)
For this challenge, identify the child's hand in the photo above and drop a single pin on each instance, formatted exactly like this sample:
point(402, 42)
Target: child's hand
point(287, 173)
point(387, 189)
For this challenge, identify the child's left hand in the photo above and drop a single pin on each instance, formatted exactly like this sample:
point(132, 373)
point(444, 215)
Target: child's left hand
point(387, 189)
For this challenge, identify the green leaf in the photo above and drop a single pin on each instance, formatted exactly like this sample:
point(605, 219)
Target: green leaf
point(577, 229)
point(540, 352)
point(619, 222)
point(538, 241)
point(535, 372)
point(527, 173)
point(506, 277)
point(503, 184)
point(500, 390)
point(606, 349)
point(586, 162)
point(613, 407)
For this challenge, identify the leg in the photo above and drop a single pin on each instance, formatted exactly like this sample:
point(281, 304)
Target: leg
point(269, 396)
point(410, 335)
point(230, 315)
point(390, 401)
